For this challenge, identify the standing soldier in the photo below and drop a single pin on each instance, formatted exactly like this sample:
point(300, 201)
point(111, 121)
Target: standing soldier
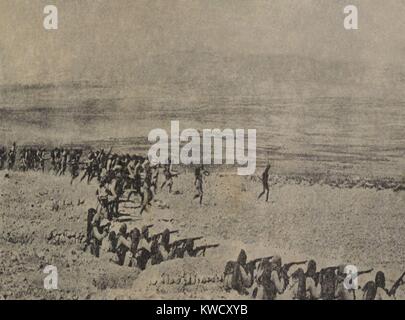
point(41, 159)
point(169, 174)
point(89, 168)
point(64, 161)
point(199, 174)
point(58, 160)
point(265, 182)
point(11, 156)
point(155, 178)
point(24, 159)
point(2, 157)
point(74, 165)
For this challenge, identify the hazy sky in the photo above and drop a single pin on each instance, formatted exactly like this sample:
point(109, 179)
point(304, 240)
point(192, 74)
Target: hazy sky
point(99, 35)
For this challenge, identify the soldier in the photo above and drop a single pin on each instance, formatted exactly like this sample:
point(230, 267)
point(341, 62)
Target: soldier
point(144, 248)
point(313, 289)
point(327, 280)
point(41, 159)
point(12, 156)
point(53, 159)
point(377, 290)
point(74, 166)
point(123, 245)
point(145, 240)
point(115, 190)
point(3, 156)
point(102, 198)
point(63, 162)
point(135, 236)
point(272, 280)
point(343, 293)
point(131, 172)
point(169, 174)
point(99, 231)
point(265, 182)
point(296, 289)
point(199, 174)
point(156, 256)
point(109, 164)
point(108, 249)
point(89, 168)
point(58, 160)
point(165, 247)
point(147, 196)
point(237, 276)
point(134, 168)
point(381, 292)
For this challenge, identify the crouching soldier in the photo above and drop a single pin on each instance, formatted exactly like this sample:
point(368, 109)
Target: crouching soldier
point(237, 276)
point(161, 251)
point(123, 246)
point(271, 282)
point(98, 231)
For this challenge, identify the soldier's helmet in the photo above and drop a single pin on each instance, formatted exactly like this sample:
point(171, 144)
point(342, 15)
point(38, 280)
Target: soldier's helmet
point(135, 234)
point(123, 229)
point(341, 269)
point(189, 245)
point(242, 257)
point(311, 268)
point(380, 279)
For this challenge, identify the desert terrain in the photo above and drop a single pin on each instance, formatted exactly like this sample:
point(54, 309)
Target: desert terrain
point(43, 221)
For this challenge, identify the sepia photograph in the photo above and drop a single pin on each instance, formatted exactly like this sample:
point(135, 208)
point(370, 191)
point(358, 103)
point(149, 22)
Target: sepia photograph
point(201, 150)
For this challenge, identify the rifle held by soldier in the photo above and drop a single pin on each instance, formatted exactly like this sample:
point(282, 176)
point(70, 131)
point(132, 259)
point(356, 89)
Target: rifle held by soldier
point(396, 285)
point(205, 247)
point(158, 235)
point(254, 261)
point(184, 240)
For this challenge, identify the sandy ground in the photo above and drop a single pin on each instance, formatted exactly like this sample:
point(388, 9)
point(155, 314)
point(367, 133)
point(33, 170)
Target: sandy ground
point(43, 221)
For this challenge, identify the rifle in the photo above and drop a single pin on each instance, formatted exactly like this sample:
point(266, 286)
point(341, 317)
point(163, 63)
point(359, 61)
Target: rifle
point(396, 285)
point(254, 261)
point(158, 235)
point(334, 268)
point(286, 267)
point(364, 272)
point(182, 241)
point(205, 247)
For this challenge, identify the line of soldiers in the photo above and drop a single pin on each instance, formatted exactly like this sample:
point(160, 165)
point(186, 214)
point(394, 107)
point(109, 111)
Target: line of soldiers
point(137, 248)
point(268, 278)
point(115, 173)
